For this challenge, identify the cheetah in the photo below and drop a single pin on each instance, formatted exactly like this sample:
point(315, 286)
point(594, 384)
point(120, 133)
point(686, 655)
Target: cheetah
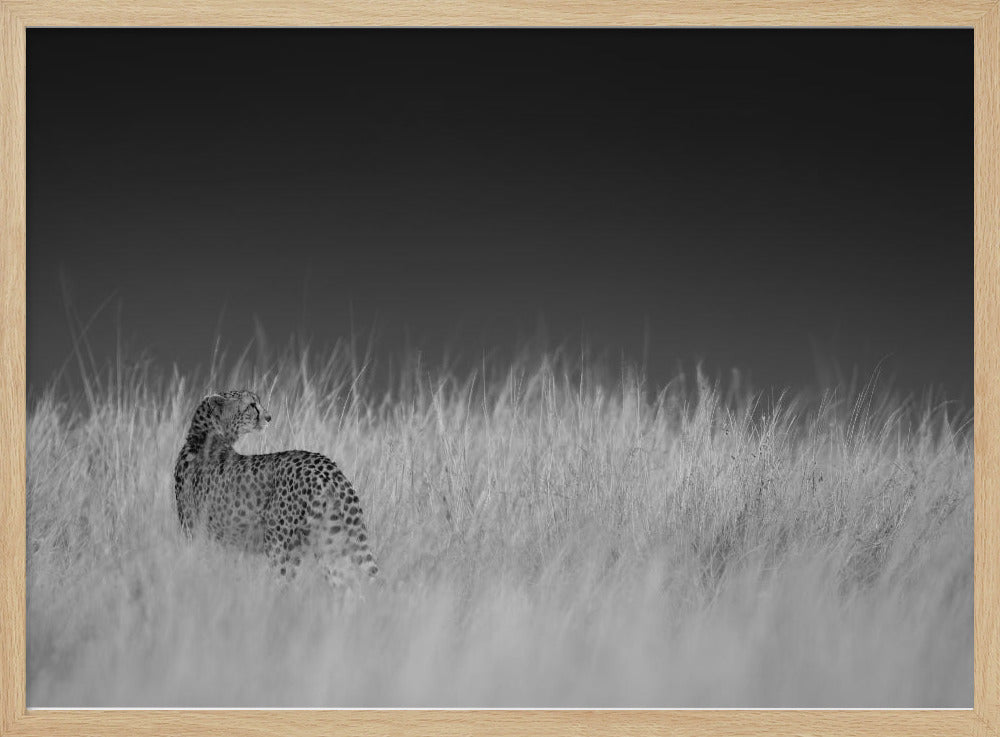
point(287, 505)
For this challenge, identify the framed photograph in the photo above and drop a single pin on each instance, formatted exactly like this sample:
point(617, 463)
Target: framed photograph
point(458, 369)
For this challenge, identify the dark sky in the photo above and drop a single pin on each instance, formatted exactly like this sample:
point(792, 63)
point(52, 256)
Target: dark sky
point(739, 197)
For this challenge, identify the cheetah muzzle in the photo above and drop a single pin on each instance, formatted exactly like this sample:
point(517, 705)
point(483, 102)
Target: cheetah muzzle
point(289, 505)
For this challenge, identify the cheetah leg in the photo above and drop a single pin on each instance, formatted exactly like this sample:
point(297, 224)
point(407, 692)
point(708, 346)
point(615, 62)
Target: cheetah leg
point(333, 550)
point(329, 537)
point(337, 574)
point(284, 561)
point(347, 561)
point(341, 543)
point(328, 549)
point(362, 559)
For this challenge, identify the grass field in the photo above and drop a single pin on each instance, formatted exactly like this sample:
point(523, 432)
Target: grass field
point(547, 538)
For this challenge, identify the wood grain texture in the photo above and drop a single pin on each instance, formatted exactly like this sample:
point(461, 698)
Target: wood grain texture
point(987, 367)
point(984, 15)
point(499, 13)
point(504, 723)
point(12, 368)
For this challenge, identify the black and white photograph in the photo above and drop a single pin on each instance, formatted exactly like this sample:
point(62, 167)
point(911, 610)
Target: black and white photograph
point(499, 368)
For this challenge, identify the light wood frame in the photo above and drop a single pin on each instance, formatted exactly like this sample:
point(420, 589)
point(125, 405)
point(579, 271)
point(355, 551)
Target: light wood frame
point(981, 15)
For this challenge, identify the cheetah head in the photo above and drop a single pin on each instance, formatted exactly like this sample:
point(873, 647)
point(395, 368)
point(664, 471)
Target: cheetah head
point(232, 414)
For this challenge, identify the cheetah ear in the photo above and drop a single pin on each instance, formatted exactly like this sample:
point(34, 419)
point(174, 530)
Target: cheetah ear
point(214, 399)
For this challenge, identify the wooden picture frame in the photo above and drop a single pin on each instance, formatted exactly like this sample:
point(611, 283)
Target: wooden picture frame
point(981, 15)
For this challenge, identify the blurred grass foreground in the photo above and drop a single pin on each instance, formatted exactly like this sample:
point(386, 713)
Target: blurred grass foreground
point(549, 537)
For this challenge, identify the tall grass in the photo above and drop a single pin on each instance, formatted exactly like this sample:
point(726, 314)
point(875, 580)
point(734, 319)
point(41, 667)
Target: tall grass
point(547, 536)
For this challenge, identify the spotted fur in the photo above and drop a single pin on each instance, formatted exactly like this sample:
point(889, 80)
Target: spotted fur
point(289, 505)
